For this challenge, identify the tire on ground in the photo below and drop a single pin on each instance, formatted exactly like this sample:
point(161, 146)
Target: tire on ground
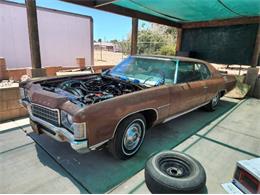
point(171, 172)
point(116, 145)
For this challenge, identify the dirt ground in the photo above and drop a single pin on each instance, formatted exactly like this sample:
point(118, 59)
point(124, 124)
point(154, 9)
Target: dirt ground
point(107, 57)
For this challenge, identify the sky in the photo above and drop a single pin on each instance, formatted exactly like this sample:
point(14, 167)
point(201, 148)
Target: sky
point(107, 26)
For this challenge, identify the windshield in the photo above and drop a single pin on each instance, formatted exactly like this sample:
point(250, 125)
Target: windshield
point(147, 71)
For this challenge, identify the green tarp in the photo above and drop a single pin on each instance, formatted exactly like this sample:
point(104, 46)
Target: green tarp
point(194, 10)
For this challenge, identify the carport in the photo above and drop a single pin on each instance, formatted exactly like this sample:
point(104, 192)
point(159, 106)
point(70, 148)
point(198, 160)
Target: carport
point(220, 31)
point(235, 22)
point(208, 30)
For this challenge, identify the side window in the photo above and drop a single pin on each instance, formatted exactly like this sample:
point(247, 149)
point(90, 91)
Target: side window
point(187, 72)
point(204, 71)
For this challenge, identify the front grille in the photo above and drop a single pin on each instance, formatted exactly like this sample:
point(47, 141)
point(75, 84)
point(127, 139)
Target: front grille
point(47, 114)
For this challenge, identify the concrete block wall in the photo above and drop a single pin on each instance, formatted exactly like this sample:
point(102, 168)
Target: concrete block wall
point(10, 107)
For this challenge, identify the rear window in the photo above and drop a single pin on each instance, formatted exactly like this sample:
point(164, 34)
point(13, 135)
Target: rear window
point(189, 72)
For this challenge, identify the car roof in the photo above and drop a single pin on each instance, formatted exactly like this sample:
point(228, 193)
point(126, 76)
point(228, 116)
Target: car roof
point(162, 57)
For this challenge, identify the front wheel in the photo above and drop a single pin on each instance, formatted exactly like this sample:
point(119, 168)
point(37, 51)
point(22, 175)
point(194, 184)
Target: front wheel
point(128, 137)
point(211, 106)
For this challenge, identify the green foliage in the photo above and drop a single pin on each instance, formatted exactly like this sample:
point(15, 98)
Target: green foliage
point(154, 39)
point(157, 39)
point(168, 50)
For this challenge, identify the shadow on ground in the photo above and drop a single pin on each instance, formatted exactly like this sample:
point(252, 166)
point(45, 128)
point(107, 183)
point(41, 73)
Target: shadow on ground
point(98, 171)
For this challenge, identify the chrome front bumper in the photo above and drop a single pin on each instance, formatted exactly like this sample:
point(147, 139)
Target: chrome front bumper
point(58, 133)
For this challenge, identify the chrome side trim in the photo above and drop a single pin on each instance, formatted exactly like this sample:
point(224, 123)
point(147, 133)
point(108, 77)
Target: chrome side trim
point(160, 107)
point(99, 144)
point(134, 113)
point(177, 115)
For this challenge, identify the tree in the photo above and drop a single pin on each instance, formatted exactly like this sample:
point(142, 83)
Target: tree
point(152, 39)
point(114, 41)
point(157, 39)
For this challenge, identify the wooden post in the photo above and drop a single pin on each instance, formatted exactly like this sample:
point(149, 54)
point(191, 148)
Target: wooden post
point(179, 38)
point(34, 38)
point(134, 36)
point(256, 54)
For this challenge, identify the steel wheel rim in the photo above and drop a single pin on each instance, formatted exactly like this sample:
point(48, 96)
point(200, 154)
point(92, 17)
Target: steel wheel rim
point(174, 167)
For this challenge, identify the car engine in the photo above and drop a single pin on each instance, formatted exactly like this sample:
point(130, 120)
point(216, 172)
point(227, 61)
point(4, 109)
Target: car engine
point(90, 90)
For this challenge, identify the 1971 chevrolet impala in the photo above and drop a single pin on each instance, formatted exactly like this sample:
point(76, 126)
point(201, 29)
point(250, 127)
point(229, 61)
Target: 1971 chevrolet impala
point(115, 108)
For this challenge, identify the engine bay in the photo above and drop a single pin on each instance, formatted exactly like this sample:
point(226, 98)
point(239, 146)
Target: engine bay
point(90, 90)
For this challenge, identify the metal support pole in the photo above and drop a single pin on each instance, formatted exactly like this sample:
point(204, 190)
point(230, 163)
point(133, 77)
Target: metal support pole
point(134, 36)
point(179, 39)
point(33, 33)
point(256, 54)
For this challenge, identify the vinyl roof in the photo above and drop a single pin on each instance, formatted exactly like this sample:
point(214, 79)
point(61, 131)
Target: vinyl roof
point(178, 12)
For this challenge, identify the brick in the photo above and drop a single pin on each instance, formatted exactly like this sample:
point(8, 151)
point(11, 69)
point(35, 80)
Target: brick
point(23, 112)
point(16, 74)
point(81, 63)
point(6, 115)
point(10, 93)
point(36, 72)
point(51, 71)
point(14, 113)
point(13, 104)
point(3, 106)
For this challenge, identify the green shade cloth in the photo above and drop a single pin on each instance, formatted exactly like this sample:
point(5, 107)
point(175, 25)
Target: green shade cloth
point(99, 172)
point(194, 10)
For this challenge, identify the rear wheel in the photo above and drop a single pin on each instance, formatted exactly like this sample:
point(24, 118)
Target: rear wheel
point(128, 137)
point(211, 106)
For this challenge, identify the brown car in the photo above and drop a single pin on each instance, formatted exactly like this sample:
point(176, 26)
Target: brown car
point(115, 108)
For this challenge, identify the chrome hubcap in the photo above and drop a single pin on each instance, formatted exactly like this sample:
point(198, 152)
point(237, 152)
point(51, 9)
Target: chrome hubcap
point(215, 100)
point(132, 136)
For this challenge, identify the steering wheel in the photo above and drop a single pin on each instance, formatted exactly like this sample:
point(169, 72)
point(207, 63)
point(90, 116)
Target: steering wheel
point(161, 81)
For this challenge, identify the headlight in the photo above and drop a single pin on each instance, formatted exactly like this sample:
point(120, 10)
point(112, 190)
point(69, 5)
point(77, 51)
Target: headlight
point(66, 120)
point(78, 129)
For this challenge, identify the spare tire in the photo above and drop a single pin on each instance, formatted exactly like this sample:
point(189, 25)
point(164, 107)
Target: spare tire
point(171, 172)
